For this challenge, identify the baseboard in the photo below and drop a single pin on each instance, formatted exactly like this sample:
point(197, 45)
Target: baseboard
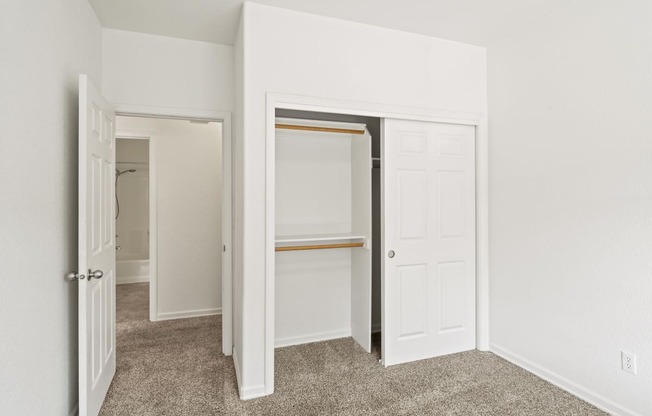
point(316, 337)
point(74, 410)
point(253, 392)
point(563, 383)
point(246, 393)
point(125, 280)
point(236, 364)
point(164, 316)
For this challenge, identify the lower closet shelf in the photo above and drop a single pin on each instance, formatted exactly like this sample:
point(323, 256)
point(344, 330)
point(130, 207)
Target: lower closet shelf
point(320, 242)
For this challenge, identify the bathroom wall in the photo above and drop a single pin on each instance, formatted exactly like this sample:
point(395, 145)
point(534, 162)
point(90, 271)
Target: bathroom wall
point(187, 160)
point(132, 224)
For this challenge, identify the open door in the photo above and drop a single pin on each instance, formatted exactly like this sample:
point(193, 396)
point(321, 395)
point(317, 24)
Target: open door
point(96, 274)
point(428, 234)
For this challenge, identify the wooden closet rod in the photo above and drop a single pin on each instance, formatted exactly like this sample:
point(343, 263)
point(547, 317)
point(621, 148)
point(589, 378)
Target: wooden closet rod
point(319, 246)
point(315, 128)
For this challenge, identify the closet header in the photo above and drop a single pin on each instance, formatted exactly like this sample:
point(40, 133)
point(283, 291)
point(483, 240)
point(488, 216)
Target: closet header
point(318, 128)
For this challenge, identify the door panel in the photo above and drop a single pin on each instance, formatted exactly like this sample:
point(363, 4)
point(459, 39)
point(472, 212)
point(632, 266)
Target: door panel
point(428, 202)
point(412, 283)
point(451, 204)
point(96, 248)
point(413, 202)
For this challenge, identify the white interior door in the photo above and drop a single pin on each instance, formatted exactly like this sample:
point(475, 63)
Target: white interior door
point(428, 203)
point(96, 248)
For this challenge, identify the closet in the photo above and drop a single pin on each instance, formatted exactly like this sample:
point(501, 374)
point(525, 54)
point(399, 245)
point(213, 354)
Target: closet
point(368, 243)
point(323, 244)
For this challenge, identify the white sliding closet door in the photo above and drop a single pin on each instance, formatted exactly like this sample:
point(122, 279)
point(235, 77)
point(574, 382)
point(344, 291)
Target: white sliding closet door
point(428, 211)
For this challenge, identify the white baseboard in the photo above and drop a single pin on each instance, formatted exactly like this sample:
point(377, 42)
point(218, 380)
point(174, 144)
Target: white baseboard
point(74, 410)
point(125, 280)
point(164, 316)
point(236, 364)
point(246, 393)
point(316, 337)
point(563, 383)
point(253, 392)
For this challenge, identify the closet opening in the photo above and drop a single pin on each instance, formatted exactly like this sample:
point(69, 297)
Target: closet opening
point(327, 226)
point(371, 226)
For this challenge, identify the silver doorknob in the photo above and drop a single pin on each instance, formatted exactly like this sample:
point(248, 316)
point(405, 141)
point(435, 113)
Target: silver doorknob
point(95, 274)
point(391, 254)
point(75, 276)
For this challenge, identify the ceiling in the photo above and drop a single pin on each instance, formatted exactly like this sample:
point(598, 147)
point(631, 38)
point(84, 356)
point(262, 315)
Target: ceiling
point(478, 22)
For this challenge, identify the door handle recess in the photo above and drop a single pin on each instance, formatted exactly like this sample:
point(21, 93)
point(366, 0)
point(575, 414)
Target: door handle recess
point(391, 254)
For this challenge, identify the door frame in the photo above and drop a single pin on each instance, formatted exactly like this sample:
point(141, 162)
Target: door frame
point(326, 105)
point(223, 117)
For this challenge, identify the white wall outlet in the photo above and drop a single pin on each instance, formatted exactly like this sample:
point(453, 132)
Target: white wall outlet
point(628, 362)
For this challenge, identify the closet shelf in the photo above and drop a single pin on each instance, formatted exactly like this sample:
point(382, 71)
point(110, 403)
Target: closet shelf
point(319, 128)
point(319, 242)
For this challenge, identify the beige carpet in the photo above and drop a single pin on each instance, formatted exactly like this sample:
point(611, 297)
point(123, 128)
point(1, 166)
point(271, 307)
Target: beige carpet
point(176, 368)
point(132, 302)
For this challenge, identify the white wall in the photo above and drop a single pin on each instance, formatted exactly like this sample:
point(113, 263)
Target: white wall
point(132, 151)
point(150, 70)
point(571, 199)
point(338, 60)
point(188, 158)
point(44, 45)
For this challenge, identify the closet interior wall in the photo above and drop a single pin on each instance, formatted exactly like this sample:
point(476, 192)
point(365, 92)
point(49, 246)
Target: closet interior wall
point(323, 294)
point(374, 127)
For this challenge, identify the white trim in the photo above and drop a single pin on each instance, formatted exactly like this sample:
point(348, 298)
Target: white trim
point(563, 383)
point(127, 280)
point(75, 410)
point(328, 105)
point(482, 233)
point(359, 108)
point(252, 392)
point(170, 112)
point(165, 316)
point(227, 237)
point(236, 364)
point(316, 337)
point(246, 393)
point(153, 228)
point(224, 117)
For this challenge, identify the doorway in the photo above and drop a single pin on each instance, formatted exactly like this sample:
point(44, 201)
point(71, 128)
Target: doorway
point(178, 242)
point(132, 212)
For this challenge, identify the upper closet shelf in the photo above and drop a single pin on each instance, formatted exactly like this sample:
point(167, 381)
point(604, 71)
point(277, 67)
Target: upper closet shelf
point(320, 242)
point(320, 126)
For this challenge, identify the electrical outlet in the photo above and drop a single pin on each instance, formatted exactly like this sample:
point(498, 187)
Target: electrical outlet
point(628, 362)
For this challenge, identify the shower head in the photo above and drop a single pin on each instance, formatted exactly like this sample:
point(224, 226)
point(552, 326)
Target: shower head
point(118, 173)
